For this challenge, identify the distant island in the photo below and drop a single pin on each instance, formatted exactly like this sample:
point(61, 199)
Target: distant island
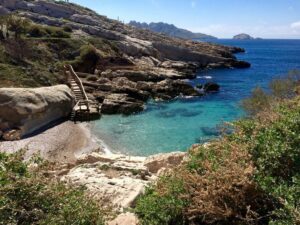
point(172, 30)
point(244, 36)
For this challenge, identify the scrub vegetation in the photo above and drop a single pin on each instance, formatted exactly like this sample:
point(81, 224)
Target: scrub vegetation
point(251, 176)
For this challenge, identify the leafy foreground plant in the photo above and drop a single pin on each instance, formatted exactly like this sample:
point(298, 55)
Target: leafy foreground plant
point(31, 198)
point(249, 177)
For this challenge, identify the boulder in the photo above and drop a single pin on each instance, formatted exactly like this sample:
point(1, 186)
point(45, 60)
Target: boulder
point(211, 87)
point(121, 103)
point(173, 88)
point(23, 111)
point(240, 64)
point(157, 162)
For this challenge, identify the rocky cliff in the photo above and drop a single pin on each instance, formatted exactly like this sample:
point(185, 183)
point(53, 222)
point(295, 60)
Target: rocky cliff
point(172, 30)
point(23, 111)
point(121, 66)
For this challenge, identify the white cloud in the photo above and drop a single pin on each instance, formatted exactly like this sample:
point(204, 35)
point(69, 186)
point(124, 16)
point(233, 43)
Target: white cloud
point(296, 25)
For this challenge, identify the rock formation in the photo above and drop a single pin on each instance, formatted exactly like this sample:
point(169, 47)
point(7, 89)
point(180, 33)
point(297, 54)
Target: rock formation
point(144, 65)
point(119, 178)
point(23, 111)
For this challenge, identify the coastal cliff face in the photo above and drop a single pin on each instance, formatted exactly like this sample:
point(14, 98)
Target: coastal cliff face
point(122, 66)
point(23, 111)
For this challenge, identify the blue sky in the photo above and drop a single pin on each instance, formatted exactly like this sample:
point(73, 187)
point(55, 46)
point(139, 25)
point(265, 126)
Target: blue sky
point(222, 18)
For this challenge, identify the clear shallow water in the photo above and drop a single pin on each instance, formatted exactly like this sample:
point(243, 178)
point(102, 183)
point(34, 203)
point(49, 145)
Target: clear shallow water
point(176, 125)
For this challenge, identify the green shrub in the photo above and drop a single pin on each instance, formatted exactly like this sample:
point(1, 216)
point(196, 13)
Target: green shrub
point(56, 32)
point(40, 31)
point(87, 60)
point(251, 176)
point(15, 24)
point(67, 28)
point(258, 102)
point(283, 88)
point(32, 198)
point(163, 204)
point(37, 31)
point(274, 143)
point(280, 89)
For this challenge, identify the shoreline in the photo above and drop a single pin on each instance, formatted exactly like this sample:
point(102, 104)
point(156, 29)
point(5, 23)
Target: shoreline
point(63, 143)
point(93, 138)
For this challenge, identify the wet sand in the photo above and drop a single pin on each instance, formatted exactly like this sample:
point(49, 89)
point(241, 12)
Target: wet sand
point(62, 143)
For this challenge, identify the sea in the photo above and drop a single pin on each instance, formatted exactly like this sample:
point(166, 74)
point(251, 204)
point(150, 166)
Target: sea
point(176, 125)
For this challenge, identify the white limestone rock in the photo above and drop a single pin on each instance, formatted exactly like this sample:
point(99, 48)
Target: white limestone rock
point(28, 110)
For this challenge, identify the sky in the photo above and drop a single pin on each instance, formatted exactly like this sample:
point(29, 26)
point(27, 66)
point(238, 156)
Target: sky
point(221, 18)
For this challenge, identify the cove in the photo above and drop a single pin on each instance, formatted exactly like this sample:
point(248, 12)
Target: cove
point(176, 125)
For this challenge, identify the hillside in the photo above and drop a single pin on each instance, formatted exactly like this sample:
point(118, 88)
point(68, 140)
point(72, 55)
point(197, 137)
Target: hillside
point(121, 66)
point(172, 30)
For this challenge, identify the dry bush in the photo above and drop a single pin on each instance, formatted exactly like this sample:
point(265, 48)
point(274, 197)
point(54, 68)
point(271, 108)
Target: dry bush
point(221, 186)
point(17, 49)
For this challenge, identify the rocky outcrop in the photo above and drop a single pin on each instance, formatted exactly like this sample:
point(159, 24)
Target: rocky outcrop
point(125, 91)
point(163, 161)
point(119, 178)
point(121, 103)
point(23, 111)
point(211, 87)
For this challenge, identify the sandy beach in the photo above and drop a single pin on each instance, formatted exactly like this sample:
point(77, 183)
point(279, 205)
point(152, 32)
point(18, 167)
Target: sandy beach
point(62, 143)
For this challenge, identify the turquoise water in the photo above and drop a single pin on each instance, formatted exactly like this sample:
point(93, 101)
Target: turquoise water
point(176, 125)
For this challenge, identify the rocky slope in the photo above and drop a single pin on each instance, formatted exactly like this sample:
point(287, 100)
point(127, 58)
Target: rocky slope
point(131, 65)
point(171, 30)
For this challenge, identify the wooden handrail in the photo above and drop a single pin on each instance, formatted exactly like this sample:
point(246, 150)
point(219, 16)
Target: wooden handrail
point(79, 83)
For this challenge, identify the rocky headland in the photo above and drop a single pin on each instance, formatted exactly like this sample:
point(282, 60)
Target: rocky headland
point(127, 65)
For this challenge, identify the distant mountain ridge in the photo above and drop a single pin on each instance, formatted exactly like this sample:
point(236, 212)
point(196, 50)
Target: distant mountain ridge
point(171, 30)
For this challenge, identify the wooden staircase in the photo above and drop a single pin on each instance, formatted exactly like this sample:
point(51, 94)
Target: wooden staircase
point(84, 109)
